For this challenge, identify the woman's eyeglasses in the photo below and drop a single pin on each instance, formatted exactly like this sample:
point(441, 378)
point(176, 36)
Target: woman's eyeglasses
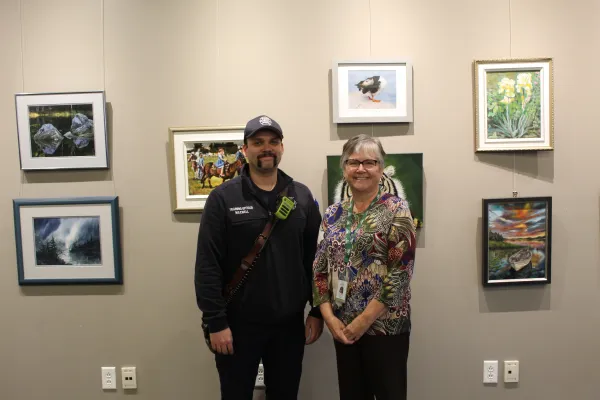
point(368, 164)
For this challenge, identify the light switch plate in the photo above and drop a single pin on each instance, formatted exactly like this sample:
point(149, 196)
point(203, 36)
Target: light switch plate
point(511, 371)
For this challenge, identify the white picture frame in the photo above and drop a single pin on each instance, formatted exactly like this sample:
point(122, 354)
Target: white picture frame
point(62, 130)
point(514, 104)
point(387, 97)
point(190, 190)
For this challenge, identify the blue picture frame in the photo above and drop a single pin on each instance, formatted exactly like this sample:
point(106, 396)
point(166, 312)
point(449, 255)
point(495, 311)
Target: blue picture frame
point(68, 241)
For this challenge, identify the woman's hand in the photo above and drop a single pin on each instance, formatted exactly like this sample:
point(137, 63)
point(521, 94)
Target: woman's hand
point(336, 327)
point(357, 328)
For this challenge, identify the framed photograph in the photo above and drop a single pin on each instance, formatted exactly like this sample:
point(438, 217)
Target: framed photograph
point(517, 239)
point(62, 130)
point(372, 91)
point(514, 104)
point(68, 241)
point(402, 177)
point(202, 159)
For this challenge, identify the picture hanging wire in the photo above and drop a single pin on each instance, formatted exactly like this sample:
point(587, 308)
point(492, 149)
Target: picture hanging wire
point(515, 193)
point(371, 54)
point(112, 173)
point(22, 78)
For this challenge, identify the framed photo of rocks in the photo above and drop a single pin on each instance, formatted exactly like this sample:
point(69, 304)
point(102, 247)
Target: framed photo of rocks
point(62, 130)
point(517, 239)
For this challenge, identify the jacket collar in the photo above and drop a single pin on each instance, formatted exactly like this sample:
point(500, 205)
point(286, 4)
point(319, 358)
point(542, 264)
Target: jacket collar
point(283, 179)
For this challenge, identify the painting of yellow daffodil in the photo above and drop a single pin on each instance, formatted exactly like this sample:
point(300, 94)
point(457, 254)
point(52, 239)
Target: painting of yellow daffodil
point(514, 105)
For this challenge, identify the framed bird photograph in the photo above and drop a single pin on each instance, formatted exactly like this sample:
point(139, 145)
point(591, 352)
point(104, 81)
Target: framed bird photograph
point(203, 158)
point(62, 130)
point(372, 91)
point(517, 241)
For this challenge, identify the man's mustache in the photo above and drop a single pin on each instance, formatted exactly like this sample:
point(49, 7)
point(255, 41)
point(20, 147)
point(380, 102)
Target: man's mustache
point(267, 154)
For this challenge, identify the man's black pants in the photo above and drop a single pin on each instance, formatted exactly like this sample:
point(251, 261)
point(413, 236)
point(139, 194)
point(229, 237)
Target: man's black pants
point(373, 366)
point(281, 348)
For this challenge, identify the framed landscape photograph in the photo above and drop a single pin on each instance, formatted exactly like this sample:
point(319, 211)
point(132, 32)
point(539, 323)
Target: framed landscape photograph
point(402, 177)
point(62, 130)
point(372, 91)
point(514, 104)
point(202, 159)
point(517, 241)
point(68, 241)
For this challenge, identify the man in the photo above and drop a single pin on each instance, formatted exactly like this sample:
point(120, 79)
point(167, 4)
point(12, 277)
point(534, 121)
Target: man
point(265, 319)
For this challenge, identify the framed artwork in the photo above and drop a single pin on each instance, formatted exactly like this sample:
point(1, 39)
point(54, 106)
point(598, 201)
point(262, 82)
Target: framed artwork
point(68, 241)
point(62, 130)
point(372, 91)
point(202, 159)
point(517, 239)
point(402, 177)
point(514, 104)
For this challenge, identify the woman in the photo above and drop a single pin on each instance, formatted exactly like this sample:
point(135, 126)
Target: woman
point(362, 273)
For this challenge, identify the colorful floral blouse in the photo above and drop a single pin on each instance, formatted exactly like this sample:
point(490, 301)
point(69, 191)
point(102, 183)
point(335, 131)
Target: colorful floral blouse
point(380, 266)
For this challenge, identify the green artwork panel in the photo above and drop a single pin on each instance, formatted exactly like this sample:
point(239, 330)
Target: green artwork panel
point(403, 177)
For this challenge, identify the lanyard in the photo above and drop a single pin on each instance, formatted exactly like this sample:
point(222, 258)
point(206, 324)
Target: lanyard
point(350, 236)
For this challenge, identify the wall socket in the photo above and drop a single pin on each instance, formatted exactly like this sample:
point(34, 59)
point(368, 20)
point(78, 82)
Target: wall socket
point(490, 371)
point(260, 377)
point(511, 371)
point(109, 378)
point(128, 377)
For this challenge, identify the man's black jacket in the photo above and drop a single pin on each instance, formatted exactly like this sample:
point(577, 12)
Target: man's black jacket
point(280, 284)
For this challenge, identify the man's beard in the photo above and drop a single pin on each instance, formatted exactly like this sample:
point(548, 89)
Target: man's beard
point(259, 163)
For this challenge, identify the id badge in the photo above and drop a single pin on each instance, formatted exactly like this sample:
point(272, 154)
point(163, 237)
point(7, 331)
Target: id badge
point(340, 293)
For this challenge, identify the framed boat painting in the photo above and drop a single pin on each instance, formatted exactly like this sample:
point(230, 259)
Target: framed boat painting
point(203, 158)
point(372, 91)
point(68, 241)
point(62, 130)
point(514, 104)
point(517, 241)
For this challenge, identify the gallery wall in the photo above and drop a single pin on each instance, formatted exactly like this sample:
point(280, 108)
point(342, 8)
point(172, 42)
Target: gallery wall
point(221, 62)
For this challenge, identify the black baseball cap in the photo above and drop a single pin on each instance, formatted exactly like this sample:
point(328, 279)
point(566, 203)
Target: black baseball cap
point(262, 122)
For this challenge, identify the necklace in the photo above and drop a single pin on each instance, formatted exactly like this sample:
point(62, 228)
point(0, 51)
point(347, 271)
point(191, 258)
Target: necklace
point(351, 234)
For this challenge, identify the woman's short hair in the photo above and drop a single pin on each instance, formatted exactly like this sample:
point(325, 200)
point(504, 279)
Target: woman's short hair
point(365, 143)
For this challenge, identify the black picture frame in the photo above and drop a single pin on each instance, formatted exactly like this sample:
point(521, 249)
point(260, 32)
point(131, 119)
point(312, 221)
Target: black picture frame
point(517, 241)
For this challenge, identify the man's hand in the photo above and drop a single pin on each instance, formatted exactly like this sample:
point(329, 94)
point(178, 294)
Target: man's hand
point(357, 328)
point(313, 329)
point(336, 327)
point(222, 341)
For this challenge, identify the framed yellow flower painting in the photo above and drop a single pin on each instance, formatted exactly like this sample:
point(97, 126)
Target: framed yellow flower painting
point(514, 104)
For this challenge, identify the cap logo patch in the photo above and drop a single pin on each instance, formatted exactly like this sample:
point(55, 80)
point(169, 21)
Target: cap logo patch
point(265, 121)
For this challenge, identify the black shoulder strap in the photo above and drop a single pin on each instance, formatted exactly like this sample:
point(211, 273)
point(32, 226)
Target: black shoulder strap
point(241, 274)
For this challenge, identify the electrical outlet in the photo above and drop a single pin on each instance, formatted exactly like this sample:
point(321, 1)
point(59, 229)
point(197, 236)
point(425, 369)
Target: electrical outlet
point(511, 371)
point(128, 378)
point(490, 371)
point(109, 378)
point(260, 377)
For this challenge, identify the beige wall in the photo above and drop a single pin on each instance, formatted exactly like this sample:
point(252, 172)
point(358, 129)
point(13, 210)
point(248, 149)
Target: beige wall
point(220, 62)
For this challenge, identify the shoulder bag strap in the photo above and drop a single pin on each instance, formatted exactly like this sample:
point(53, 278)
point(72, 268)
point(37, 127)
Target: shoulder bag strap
point(241, 274)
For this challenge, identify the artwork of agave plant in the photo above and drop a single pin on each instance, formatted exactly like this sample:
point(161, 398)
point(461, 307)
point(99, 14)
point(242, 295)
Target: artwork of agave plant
point(513, 105)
